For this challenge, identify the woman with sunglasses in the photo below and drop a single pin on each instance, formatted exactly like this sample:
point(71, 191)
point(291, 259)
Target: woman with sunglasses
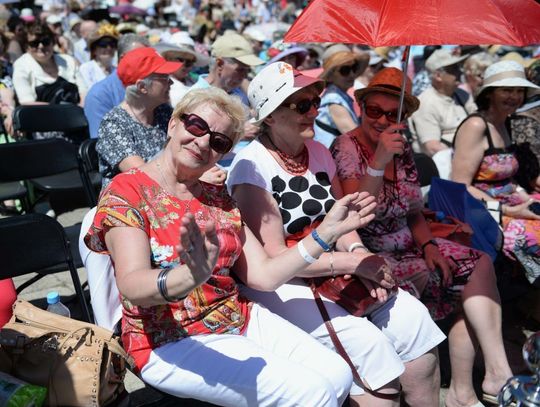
point(103, 44)
point(175, 241)
point(285, 184)
point(452, 280)
point(336, 112)
point(40, 76)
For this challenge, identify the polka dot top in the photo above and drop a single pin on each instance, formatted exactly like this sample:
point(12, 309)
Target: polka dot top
point(302, 199)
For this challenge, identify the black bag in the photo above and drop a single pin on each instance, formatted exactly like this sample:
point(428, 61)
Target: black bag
point(60, 91)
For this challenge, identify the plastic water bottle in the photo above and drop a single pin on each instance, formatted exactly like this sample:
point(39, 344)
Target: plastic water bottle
point(55, 306)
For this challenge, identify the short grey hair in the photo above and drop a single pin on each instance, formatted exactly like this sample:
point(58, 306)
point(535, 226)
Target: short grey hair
point(132, 91)
point(128, 41)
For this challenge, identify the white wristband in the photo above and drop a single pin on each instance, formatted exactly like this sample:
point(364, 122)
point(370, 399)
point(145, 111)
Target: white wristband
point(356, 245)
point(304, 253)
point(373, 172)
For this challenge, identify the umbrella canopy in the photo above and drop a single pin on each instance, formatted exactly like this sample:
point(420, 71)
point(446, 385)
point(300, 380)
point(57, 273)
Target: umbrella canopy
point(418, 22)
point(127, 9)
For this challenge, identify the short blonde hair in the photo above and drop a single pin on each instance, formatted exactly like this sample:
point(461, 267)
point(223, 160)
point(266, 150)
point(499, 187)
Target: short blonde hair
point(231, 106)
point(476, 64)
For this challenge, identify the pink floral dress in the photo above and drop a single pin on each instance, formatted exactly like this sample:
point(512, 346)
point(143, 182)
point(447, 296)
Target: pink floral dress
point(390, 236)
point(133, 199)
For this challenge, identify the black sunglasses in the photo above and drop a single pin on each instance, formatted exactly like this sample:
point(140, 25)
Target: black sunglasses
point(345, 70)
point(197, 126)
point(104, 43)
point(187, 62)
point(303, 106)
point(375, 112)
point(45, 41)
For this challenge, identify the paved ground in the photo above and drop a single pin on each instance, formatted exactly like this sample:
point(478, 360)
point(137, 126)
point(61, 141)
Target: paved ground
point(517, 325)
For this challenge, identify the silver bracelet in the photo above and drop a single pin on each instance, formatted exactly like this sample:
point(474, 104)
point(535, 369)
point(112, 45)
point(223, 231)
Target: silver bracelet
point(373, 172)
point(304, 253)
point(356, 245)
point(162, 286)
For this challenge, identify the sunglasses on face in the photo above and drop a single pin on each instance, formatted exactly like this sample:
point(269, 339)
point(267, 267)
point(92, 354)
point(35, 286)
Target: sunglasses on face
point(106, 43)
point(188, 62)
point(347, 69)
point(375, 112)
point(197, 126)
point(303, 106)
point(45, 41)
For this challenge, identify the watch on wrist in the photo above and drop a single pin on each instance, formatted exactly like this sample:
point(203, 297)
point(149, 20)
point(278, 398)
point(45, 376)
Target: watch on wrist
point(430, 241)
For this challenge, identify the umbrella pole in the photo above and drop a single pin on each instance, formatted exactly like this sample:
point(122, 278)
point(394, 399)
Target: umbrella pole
point(404, 63)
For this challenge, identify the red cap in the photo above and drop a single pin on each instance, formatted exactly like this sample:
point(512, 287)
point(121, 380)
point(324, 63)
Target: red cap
point(142, 62)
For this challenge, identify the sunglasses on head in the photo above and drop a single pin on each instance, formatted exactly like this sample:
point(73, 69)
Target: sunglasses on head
point(104, 43)
point(375, 112)
point(346, 70)
point(303, 106)
point(45, 41)
point(197, 126)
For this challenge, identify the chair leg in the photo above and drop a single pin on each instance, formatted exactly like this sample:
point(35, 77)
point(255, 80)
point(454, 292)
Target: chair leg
point(80, 294)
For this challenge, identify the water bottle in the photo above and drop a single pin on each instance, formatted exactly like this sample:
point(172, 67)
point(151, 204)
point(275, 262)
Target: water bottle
point(55, 306)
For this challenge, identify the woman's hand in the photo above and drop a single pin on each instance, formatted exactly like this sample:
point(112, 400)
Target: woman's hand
point(520, 211)
point(349, 213)
point(214, 175)
point(391, 142)
point(375, 290)
point(435, 260)
point(376, 269)
point(199, 252)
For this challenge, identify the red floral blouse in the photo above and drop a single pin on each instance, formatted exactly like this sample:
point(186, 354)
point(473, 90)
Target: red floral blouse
point(133, 199)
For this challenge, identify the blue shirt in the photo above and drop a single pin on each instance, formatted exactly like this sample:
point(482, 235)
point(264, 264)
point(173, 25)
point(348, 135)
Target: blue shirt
point(101, 99)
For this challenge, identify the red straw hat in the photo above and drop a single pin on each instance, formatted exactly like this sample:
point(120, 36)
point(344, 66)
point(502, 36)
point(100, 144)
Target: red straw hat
point(141, 63)
point(388, 80)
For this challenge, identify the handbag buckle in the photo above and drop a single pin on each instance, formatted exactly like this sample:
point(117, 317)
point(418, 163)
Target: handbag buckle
point(50, 344)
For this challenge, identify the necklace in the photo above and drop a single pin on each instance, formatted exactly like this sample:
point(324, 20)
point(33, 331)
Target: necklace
point(170, 190)
point(135, 115)
point(289, 161)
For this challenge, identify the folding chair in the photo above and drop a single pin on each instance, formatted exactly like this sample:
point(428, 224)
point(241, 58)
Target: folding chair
point(90, 162)
point(426, 168)
point(37, 243)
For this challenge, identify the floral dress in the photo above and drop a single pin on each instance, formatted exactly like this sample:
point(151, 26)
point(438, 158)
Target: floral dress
point(133, 199)
point(390, 236)
point(521, 236)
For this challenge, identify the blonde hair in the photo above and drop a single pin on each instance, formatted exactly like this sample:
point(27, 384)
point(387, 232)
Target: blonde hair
point(476, 64)
point(230, 106)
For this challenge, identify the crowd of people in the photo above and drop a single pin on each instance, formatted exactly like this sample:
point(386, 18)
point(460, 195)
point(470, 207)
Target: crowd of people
point(237, 167)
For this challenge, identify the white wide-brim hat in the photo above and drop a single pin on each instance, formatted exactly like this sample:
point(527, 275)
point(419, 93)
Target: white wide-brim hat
point(273, 85)
point(507, 74)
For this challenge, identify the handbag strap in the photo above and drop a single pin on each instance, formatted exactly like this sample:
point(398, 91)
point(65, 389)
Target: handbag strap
point(341, 350)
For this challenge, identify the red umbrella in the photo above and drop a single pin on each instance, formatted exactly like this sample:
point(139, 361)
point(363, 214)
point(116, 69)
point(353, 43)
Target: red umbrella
point(418, 22)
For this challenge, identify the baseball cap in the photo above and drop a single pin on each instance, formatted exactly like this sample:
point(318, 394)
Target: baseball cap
point(275, 83)
point(232, 45)
point(442, 58)
point(141, 63)
point(27, 15)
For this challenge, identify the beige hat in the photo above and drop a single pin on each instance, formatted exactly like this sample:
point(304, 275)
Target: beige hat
point(442, 58)
point(235, 46)
point(344, 58)
point(505, 73)
point(275, 83)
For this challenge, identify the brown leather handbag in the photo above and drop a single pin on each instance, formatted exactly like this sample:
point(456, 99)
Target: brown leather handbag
point(80, 363)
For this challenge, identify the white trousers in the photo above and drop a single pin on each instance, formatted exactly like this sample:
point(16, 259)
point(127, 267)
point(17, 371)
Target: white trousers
point(397, 332)
point(273, 364)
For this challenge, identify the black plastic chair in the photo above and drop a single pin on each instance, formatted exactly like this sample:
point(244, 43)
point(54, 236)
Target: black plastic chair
point(90, 161)
point(37, 243)
point(426, 168)
point(67, 118)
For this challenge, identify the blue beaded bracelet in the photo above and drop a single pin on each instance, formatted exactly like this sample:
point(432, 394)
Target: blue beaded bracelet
point(321, 242)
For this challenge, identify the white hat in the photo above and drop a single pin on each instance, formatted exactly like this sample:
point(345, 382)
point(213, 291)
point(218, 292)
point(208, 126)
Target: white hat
point(27, 15)
point(506, 73)
point(442, 58)
point(275, 83)
point(54, 19)
point(182, 38)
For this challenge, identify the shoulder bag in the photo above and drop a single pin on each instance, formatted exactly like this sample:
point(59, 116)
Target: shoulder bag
point(79, 363)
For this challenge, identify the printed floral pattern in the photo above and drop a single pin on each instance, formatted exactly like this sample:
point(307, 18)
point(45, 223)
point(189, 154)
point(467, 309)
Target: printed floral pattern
point(133, 199)
point(389, 235)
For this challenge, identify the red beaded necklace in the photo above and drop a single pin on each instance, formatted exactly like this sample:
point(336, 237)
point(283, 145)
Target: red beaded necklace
point(290, 161)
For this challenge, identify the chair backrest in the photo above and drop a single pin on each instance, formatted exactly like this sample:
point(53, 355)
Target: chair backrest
point(426, 168)
point(37, 243)
point(36, 158)
point(67, 118)
point(89, 155)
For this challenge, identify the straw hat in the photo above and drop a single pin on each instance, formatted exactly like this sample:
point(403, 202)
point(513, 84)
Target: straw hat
point(104, 31)
point(505, 73)
point(388, 80)
point(344, 58)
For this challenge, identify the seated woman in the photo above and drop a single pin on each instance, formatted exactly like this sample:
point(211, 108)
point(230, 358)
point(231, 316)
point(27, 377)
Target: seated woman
point(174, 242)
point(285, 184)
point(483, 162)
point(336, 113)
point(449, 278)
